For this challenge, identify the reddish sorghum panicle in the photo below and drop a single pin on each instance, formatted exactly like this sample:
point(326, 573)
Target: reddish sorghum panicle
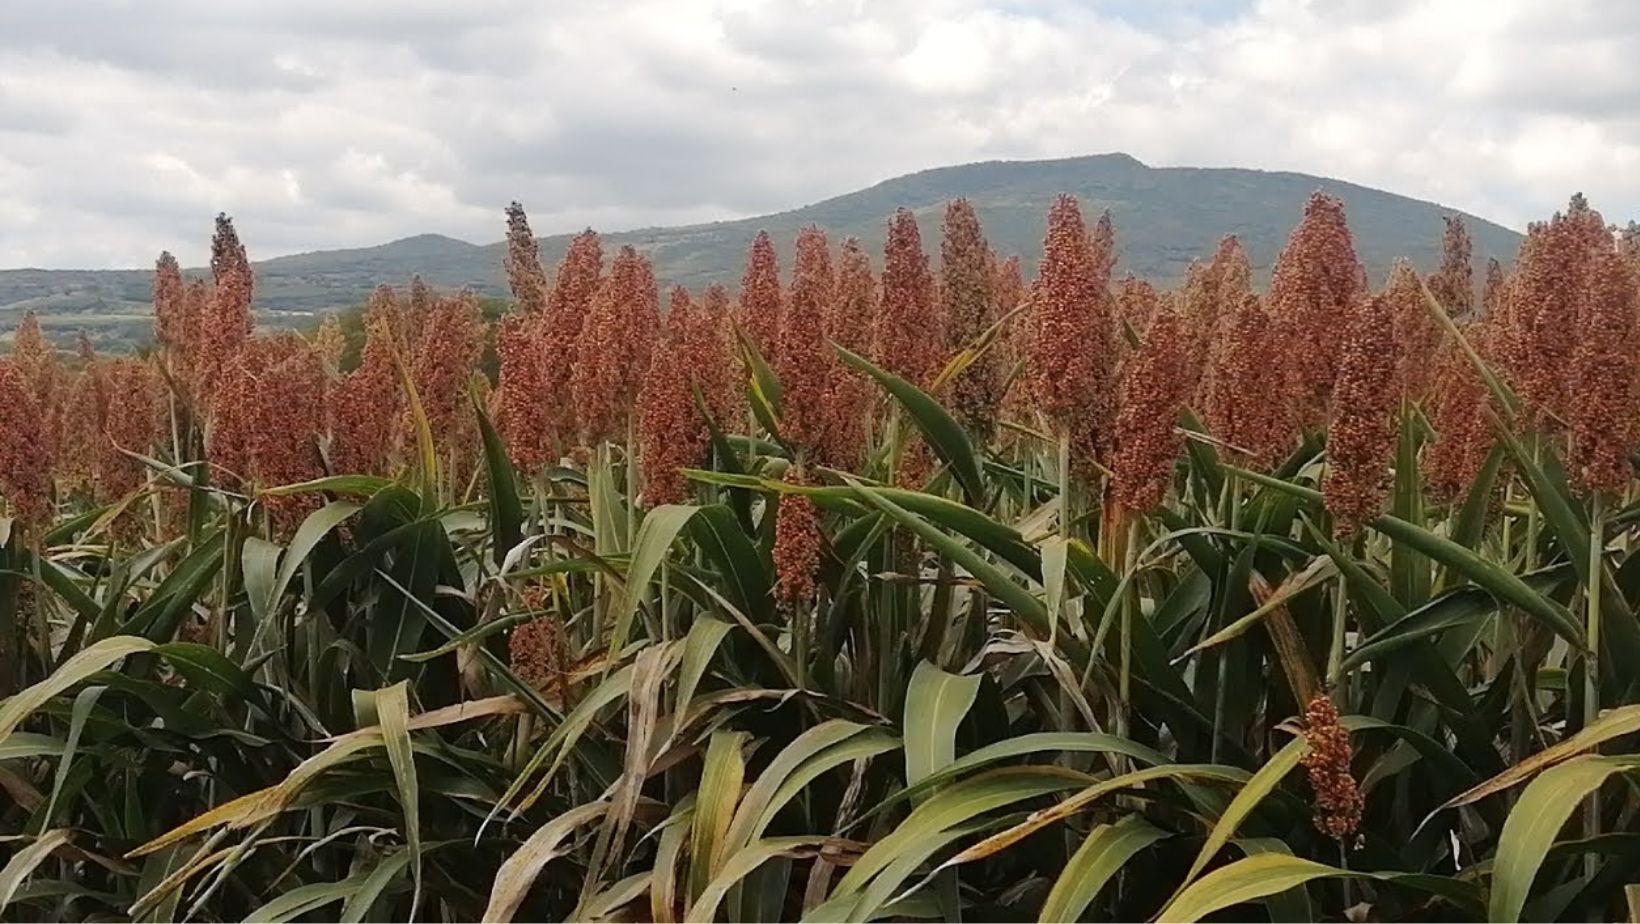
point(1551, 278)
point(1245, 403)
point(1102, 248)
point(805, 360)
point(1458, 405)
point(1137, 302)
point(330, 342)
point(28, 347)
point(130, 422)
point(192, 354)
point(1212, 292)
point(1605, 376)
point(1067, 349)
point(848, 323)
point(671, 434)
point(1155, 383)
point(613, 352)
point(228, 321)
point(797, 542)
point(1338, 800)
point(43, 375)
point(1494, 291)
point(450, 342)
point(77, 432)
point(1008, 288)
point(967, 291)
point(523, 406)
point(523, 262)
point(1453, 283)
point(363, 407)
point(263, 428)
point(1416, 333)
point(25, 465)
point(760, 302)
point(538, 652)
point(711, 360)
point(170, 303)
point(908, 332)
point(1361, 433)
point(579, 275)
point(1315, 284)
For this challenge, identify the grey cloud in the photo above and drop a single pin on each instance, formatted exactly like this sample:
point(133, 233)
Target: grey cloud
point(324, 124)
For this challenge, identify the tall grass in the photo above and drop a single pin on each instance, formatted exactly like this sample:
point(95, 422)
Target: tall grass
point(971, 602)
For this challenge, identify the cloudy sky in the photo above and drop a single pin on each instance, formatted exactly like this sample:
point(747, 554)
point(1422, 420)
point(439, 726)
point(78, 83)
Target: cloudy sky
point(126, 124)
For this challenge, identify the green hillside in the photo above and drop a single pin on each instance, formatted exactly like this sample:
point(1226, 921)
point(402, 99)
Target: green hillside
point(1165, 217)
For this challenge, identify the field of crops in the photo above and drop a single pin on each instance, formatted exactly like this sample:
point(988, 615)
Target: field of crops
point(892, 587)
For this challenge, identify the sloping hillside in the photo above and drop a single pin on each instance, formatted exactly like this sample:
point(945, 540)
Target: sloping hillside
point(1165, 217)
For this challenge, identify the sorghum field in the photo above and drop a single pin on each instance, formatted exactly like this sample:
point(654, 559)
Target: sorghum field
point(879, 589)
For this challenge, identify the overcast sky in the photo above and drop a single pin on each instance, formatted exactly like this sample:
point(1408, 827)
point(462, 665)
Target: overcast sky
point(126, 124)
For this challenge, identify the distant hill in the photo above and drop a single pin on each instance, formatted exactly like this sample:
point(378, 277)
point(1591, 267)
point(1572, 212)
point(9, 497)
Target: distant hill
point(1165, 217)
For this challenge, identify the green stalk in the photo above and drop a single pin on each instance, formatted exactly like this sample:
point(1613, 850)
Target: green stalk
point(1130, 602)
point(631, 481)
point(1065, 485)
point(1591, 660)
point(1335, 651)
point(1230, 502)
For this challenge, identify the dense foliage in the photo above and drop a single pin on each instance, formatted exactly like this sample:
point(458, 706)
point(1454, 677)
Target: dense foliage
point(924, 593)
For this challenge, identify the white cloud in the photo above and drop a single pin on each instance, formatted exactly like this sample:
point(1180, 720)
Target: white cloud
point(125, 126)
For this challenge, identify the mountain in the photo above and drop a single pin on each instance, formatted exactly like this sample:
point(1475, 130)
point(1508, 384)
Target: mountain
point(1165, 217)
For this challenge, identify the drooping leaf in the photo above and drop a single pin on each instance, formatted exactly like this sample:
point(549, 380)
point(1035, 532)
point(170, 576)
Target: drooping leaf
point(1536, 820)
point(1104, 851)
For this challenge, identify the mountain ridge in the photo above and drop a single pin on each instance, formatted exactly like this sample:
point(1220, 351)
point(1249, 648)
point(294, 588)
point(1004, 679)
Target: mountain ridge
point(1164, 216)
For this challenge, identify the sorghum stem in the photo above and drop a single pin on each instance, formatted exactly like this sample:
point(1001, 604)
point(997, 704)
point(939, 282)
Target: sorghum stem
point(1591, 661)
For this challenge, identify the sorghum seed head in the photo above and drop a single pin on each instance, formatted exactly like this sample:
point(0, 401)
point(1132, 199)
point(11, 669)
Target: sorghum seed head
point(1605, 375)
point(671, 434)
point(1551, 278)
point(523, 406)
point(760, 301)
point(228, 321)
point(1453, 284)
point(580, 274)
point(1155, 383)
point(1338, 800)
point(613, 352)
point(130, 422)
point(1245, 402)
point(797, 542)
point(330, 341)
point(805, 360)
point(1315, 284)
point(1212, 293)
point(1494, 294)
point(1458, 403)
point(1416, 332)
point(1067, 348)
point(538, 650)
point(1136, 303)
point(970, 306)
point(523, 262)
point(25, 465)
point(848, 323)
point(909, 338)
point(170, 308)
point(449, 342)
point(1361, 433)
point(1102, 247)
point(363, 408)
point(711, 357)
